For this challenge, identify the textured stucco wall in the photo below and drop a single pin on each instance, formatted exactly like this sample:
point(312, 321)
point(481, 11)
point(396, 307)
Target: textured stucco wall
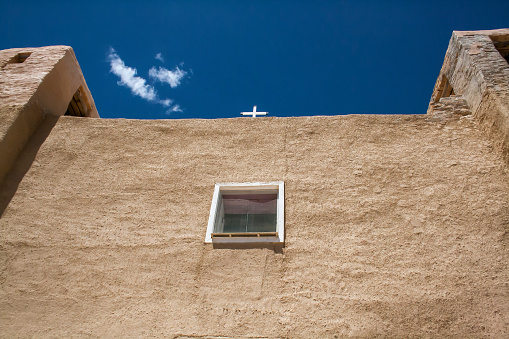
point(395, 226)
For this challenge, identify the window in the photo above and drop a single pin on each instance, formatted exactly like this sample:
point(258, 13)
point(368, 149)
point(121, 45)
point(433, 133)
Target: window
point(19, 58)
point(247, 212)
point(502, 47)
point(78, 106)
point(444, 89)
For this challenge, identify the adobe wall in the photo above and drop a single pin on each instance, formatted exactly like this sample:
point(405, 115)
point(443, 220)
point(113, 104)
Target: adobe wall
point(395, 226)
point(43, 84)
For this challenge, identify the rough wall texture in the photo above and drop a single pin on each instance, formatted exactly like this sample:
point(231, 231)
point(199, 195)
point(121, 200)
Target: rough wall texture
point(395, 225)
point(454, 106)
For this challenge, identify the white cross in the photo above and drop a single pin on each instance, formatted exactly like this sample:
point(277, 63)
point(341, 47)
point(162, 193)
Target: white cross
point(254, 113)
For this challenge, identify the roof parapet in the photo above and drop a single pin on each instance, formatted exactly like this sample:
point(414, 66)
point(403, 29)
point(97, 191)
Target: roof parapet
point(476, 68)
point(36, 82)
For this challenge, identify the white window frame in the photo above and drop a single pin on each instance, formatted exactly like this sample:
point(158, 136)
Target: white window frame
point(220, 188)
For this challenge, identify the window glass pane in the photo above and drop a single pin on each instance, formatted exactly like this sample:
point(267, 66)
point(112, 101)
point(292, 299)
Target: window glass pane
point(235, 223)
point(261, 223)
point(248, 212)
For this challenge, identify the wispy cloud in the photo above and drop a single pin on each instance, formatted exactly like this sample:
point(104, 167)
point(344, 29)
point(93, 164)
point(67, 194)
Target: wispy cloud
point(164, 75)
point(128, 78)
point(159, 57)
point(138, 86)
point(174, 108)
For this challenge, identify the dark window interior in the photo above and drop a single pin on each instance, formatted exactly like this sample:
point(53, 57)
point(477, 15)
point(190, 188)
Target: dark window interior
point(19, 58)
point(77, 107)
point(445, 89)
point(503, 48)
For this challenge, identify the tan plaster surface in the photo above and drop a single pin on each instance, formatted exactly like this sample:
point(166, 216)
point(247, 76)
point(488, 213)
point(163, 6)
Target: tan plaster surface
point(396, 226)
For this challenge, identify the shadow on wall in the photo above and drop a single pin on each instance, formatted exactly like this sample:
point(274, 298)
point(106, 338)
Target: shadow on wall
point(10, 185)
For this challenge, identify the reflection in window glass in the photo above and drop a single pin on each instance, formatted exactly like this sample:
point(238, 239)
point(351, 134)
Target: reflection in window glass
point(248, 213)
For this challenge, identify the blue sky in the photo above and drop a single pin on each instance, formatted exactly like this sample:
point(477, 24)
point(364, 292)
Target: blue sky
point(218, 58)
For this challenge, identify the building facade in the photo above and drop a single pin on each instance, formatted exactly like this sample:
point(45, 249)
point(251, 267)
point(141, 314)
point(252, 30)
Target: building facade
point(394, 225)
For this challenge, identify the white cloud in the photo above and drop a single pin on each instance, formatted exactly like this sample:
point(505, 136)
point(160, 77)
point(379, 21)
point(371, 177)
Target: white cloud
point(137, 85)
point(128, 78)
point(159, 57)
point(174, 108)
point(166, 102)
point(164, 75)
